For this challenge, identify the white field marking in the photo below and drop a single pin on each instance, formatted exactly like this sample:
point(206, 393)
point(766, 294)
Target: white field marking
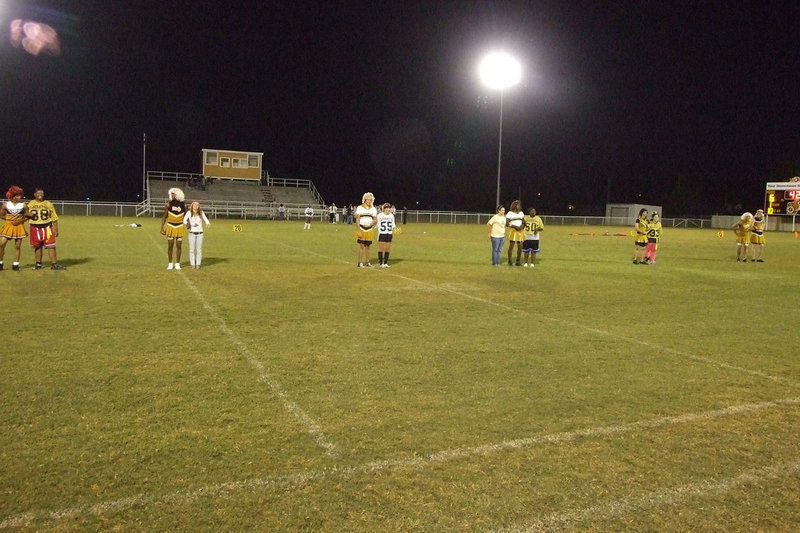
point(417, 462)
point(448, 288)
point(666, 497)
point(308, 424)
point(698, 358)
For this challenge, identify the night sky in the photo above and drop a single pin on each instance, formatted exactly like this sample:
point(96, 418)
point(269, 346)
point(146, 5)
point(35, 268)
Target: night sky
point(689, 105)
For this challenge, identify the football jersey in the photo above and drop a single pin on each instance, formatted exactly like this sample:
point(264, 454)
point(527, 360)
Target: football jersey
point(42, 213)
point(533, 225)
point(654, 230)
point(385, 224)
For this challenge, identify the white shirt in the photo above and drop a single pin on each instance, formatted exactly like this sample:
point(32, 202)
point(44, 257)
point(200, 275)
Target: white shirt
point(14, 209)
point(195, 221)
point(309, 211)
point(516, 219)
point(366, 216)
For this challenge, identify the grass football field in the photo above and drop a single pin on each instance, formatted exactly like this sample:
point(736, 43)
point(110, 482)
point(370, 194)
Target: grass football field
point(280, 388)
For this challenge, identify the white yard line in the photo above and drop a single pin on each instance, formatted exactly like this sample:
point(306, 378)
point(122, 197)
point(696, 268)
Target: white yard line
point(427, 461)
point(662, 498)
point(308, 424)
point(698, 358)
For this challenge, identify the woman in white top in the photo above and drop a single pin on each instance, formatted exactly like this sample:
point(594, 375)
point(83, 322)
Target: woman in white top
point(366, 218)
point(496, 228)
point(516, 235)
point(194, 219)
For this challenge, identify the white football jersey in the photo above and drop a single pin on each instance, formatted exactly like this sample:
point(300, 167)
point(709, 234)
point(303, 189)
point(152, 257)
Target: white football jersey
point(385, 224)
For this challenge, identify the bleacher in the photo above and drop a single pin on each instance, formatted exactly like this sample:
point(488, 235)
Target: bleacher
point(235, 198)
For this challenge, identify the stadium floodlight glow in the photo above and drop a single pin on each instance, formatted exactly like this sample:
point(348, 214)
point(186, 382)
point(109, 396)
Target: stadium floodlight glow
point(500, 71)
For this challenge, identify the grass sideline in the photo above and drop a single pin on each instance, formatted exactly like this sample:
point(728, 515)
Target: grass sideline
point(281, 388)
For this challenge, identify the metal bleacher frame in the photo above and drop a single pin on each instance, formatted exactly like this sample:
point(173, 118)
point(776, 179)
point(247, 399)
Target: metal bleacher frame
point(270, 193)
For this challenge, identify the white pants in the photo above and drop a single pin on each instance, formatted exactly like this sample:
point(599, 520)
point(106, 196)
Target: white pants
point(195, 248)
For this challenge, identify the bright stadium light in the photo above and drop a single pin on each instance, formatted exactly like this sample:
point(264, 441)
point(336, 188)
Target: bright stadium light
point(500, 71)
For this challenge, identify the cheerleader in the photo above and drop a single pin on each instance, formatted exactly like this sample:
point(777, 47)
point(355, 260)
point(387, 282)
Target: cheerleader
point(172, 225)
point(15, 213)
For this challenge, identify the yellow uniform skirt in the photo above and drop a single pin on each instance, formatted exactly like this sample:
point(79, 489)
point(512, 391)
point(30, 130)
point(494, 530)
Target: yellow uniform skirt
point(743, 237)
point(365, 235)
point(10, 231)
point(177, 232)
point(515, 235)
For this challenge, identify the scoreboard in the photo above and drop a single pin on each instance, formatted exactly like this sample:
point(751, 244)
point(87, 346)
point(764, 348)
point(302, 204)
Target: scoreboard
point(782, 197)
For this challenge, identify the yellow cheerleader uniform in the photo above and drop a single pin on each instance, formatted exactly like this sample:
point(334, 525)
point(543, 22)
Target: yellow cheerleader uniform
point(757, 232)
point(174, 227)
point(14, 213)
point(641, 231)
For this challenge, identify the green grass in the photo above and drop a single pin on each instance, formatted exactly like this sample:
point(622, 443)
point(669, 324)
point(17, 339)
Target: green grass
point(281, 388)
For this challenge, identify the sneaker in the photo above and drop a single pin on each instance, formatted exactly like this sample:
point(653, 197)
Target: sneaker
point(518, 264)
point(56, 266)
point(169, 266)
point(525, 264)
point(760, 260)
point(635, 262)
point(1, 266)
point(177, 266)
point(37, 266)
point(368, 265)
point(386, 265)
point(360, 265)
point(532, 265)
point(744, 260)
point(14, 267)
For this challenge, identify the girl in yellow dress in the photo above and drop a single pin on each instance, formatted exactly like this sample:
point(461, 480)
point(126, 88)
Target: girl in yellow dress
point(172, 225)
point(640, 242)
point(14, 212)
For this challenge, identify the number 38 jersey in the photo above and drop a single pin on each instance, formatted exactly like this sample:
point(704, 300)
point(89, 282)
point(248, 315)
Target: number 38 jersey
point(385, 224)
point(42, 213)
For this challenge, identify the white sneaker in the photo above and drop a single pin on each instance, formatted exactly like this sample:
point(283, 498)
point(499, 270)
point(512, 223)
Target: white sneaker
point(532, 265)
point(169, 266)
point(177, 266)
point(526, 264)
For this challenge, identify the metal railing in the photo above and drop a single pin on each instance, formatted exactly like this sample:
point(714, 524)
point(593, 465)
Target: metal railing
point(260, 210)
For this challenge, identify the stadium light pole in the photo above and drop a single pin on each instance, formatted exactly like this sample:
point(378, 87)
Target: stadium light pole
point(500, 71)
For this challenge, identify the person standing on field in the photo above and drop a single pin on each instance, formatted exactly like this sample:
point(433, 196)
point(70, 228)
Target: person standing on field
point(530, 247)
point(172, 225)
point(640, 238)
point(742, 230)
point(496, 229)
point(653, 235)
point(194, 219)
point(15, 212)
point(757, 240)
point(386, 226)
point(516, 235)
point(44, 229)
point(309, 214)
point(366, 218)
